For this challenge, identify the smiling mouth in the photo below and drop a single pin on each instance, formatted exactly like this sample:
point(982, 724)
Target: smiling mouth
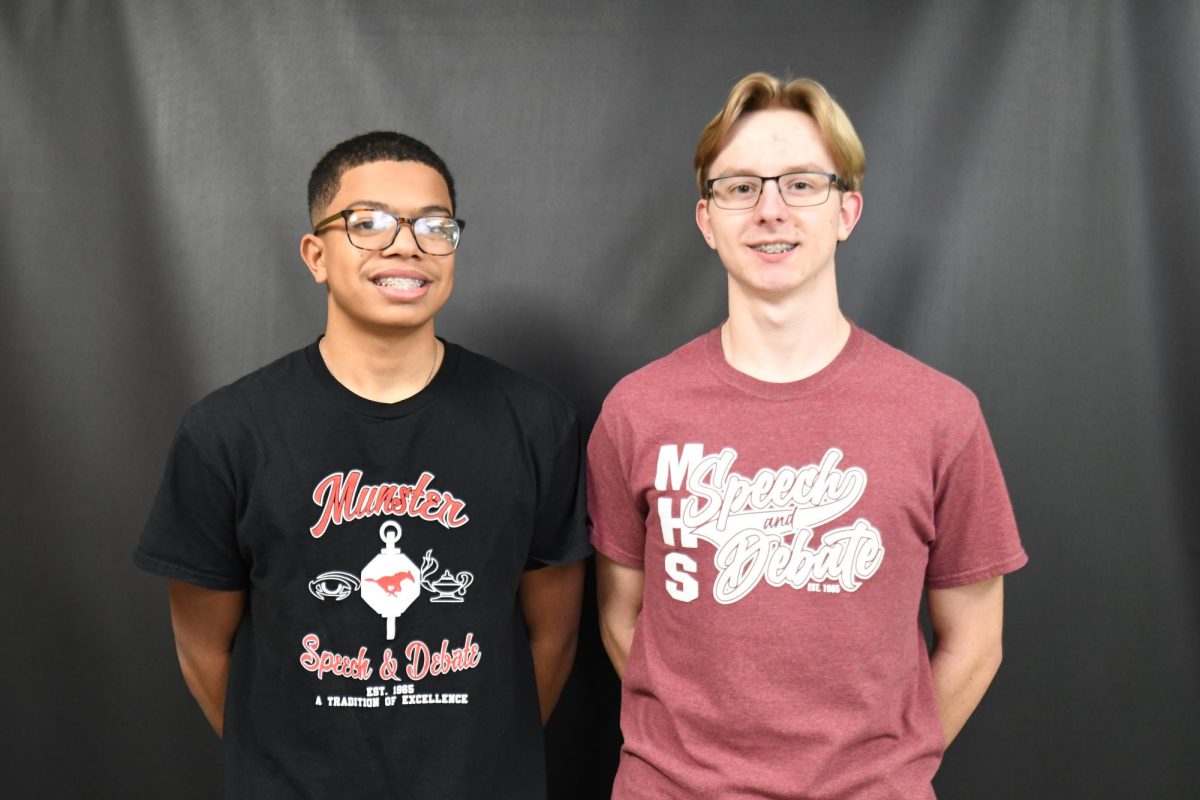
point(774, 247)
point(399, 283)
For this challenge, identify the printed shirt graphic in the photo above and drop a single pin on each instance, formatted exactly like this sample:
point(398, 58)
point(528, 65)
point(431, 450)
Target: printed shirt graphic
point(381, 546)
point(786, 532)
point(761, 527)
point(389, 584)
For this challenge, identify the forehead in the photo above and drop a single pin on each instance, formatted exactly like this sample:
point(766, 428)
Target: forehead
point(405, 186)
point(768, 142)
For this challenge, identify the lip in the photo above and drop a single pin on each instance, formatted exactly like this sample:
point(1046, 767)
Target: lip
point(773, 257)
point(400, 292)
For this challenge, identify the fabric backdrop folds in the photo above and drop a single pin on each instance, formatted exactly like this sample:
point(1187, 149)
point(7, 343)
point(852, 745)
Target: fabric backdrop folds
point(1029, 228)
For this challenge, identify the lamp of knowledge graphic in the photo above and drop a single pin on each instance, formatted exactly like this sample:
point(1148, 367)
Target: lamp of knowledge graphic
point(390, 582)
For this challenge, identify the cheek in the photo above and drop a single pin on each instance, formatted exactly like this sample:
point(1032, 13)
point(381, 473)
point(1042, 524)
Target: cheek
point(724, 237)
point(723, 244)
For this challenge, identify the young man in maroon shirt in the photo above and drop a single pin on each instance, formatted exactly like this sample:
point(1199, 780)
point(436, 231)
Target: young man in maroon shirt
point(770, 502)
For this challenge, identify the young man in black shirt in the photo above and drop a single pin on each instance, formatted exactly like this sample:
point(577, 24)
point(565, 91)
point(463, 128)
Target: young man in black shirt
point(374, 544)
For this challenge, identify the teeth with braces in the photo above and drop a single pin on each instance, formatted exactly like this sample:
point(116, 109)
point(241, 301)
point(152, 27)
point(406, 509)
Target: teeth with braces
point(400, 283)
point(777, 247)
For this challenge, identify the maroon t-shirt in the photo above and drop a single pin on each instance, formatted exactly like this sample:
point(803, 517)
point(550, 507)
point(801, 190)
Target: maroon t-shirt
point(787, 532)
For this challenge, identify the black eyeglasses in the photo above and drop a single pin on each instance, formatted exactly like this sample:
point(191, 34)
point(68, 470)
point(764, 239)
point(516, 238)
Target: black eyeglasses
point(376, 229)
point(798, 189)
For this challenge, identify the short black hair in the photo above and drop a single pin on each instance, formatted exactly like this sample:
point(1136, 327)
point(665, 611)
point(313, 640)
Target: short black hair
point(368, 148)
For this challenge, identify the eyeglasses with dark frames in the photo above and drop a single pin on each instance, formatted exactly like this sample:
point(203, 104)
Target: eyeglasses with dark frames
point(798, 189)
point(376, 229)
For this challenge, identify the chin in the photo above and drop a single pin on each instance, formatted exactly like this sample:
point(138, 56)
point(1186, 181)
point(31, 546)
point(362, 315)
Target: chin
point(774, 284)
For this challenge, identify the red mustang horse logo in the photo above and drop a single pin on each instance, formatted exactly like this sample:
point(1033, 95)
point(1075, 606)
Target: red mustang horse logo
point(392, 583)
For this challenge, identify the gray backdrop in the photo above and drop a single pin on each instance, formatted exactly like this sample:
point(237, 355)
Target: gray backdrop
point(1030, 228)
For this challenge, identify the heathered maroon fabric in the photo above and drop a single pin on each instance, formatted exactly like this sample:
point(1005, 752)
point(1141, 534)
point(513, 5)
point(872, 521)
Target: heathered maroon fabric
point(778, 653)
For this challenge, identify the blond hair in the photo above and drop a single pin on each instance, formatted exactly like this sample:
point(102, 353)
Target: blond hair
point(759, 91)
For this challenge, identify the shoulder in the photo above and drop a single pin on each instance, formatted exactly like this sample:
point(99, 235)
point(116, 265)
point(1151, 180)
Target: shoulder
point(911, 393)
point(649, 402)
point(678, 369)
point(488, 382)
point(233, 409)
point(913, 380)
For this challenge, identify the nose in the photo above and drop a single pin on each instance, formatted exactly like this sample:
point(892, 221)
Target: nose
point(405, 243)
point(770, 202)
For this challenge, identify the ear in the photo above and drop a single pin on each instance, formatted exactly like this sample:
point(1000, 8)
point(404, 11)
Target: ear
point(704, 224)
point(848, 216)
point(312, 252)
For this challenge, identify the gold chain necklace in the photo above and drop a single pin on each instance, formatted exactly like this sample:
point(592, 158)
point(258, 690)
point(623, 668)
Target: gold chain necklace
point(432, 366)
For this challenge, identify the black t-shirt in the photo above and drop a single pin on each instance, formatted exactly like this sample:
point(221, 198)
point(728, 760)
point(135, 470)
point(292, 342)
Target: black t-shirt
point(383, 652)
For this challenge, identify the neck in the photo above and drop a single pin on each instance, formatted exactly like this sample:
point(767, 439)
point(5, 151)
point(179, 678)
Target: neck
point(784, 340)
point(387, 366)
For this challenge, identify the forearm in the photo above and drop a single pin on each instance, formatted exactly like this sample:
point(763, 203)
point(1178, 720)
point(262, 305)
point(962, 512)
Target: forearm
point(617, 635)
point(207, 677)
point(205, 622)
point(960, 679)
point(550, 598)
point(552, 660)
point(619, 599)
point(967, 626)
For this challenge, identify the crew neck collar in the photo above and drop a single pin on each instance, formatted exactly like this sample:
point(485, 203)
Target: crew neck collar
point(348, 400)
point(715, 357)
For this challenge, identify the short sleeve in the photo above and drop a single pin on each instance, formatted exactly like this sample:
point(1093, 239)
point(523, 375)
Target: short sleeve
point(560, 528)
point(975, 531)
point(618, 526)
point(191, 534)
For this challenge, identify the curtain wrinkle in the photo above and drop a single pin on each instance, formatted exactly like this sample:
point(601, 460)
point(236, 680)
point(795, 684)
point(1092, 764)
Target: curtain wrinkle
point(1163, 61)
point(1029, 228)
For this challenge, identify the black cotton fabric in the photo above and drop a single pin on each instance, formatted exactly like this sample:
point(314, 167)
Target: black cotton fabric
point(346, 520)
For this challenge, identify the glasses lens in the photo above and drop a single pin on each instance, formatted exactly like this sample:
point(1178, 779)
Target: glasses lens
point(736, 192)
point(804, 188)
point(437, 236)
point(371, 229)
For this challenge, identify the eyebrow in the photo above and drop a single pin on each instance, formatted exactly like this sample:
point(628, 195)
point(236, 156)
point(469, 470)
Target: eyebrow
point(741, 172)
point(423, 211)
